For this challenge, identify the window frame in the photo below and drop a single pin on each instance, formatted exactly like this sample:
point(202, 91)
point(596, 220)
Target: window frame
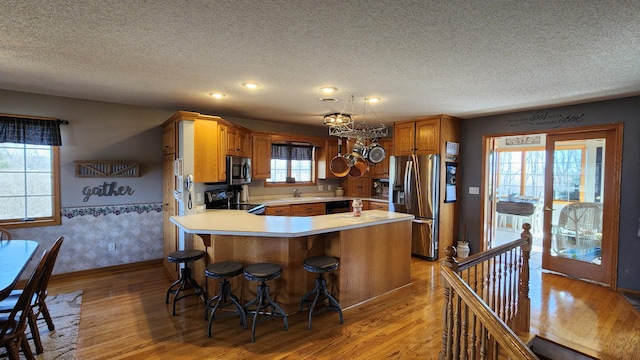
point(314, 167)
point(523, 174)
point(55, 218)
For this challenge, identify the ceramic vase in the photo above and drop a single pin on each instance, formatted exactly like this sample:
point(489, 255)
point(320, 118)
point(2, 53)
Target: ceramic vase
point(462, 250)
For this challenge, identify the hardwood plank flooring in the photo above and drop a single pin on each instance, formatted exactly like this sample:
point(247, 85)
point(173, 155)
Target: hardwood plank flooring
point(124, 317)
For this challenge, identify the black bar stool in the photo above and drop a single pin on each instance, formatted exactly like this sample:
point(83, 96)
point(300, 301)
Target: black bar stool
point(320, 265)
point(224, 270)
point(185, 281)
point(263, 272)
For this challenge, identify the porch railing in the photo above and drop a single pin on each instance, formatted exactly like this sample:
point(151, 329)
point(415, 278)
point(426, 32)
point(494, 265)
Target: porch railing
point(487, 302)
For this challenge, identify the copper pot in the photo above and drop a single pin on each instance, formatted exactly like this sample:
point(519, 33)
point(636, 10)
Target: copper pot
point(339, 165)
point(359, 167)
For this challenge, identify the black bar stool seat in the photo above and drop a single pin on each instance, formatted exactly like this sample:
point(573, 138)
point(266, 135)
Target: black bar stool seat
point(320, 265)
point(263, 272)
point(224, 270)
point(185, 281)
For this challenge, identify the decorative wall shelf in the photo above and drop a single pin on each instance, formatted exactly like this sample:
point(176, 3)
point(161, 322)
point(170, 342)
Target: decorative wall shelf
point(107, 168)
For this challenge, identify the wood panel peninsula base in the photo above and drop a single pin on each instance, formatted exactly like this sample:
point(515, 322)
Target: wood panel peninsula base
point(374, 251)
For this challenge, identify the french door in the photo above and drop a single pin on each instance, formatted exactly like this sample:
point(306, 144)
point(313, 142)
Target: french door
point(580, 227)
point(578, 171)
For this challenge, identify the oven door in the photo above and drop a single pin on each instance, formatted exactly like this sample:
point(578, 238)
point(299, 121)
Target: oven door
point(238, 170)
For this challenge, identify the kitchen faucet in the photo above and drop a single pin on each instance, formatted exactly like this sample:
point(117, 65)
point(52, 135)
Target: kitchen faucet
point(296, 193)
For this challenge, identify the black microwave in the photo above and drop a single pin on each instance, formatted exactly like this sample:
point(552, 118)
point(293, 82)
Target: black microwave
point(238, 170)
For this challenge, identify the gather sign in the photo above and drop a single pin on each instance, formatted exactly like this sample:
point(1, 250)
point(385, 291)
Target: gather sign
point(106, 189)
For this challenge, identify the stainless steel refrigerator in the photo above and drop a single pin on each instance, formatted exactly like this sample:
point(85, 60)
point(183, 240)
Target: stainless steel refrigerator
point(415, 186)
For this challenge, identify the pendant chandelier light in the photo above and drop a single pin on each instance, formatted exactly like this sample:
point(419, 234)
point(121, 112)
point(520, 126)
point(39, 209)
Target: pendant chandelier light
point(343, 125)
point(336, 119)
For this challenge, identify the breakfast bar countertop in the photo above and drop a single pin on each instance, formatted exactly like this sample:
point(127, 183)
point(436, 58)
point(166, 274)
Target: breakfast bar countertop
point(240, 223)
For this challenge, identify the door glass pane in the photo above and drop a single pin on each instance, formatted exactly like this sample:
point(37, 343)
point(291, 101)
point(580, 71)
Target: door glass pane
point(578, 171)
point(509, 173)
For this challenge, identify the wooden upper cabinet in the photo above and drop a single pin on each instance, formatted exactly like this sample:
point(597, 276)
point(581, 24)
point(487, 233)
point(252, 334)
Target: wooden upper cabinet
point(428, 136)
point(404, 138)
point(357, 187)
point(238, 141)
point(246, 142)
point(233, 145)
point(206, 152)
point(381, 169)
point(169, 138)
point(261, 160)
point(417, 137)
point(325, 155)
point(222, 151)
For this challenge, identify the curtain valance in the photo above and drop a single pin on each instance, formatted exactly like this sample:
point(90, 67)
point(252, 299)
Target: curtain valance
point(30, 131)
point(291, 152)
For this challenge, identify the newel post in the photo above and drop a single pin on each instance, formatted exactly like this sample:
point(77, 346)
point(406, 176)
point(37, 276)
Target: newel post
point(524, 302)
point(447, 313)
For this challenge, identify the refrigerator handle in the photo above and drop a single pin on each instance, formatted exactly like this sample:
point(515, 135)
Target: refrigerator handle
point(407, 186)
point(418, 221)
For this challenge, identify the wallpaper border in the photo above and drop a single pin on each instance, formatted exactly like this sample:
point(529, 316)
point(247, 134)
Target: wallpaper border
point(103, 210)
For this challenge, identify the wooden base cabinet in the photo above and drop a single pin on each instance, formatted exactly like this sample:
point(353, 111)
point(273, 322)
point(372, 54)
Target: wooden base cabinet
point(370, 264)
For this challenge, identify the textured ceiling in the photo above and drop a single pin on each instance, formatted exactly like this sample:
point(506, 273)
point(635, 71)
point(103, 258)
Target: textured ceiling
point(462, 58)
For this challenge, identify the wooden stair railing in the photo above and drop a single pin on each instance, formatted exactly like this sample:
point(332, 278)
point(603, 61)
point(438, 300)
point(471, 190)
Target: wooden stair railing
point(499, 278)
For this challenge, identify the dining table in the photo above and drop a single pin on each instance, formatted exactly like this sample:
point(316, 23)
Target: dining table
point(15, 255)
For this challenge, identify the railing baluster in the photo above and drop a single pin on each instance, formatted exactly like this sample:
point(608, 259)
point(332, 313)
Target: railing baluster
point(498, 278)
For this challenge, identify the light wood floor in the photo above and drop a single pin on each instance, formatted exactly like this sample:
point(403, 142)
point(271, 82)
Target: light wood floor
point(124, 317)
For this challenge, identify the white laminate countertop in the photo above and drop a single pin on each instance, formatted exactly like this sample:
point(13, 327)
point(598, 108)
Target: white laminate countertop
point(312, 199)
point(241, 223)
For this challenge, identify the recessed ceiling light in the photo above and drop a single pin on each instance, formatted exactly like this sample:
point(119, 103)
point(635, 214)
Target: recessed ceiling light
point(251, 85)
point(328, 89)
point(327, 99)
point(217, 95)
point(373, 99)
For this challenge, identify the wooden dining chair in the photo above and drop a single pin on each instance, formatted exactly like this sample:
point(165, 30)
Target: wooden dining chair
point(38, 304)
point(14, 324)
point(5, 236)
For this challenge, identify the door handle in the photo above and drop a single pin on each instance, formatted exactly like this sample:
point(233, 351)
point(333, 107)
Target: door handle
point(547, 209)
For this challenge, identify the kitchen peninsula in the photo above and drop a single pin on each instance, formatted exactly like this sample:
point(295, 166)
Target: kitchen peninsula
point(374, 251)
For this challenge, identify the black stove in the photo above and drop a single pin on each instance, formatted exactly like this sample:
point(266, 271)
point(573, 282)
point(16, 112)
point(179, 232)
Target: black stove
point(224, 200)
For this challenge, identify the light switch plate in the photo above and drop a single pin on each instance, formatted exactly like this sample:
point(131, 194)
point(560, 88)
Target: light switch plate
point(474, 190)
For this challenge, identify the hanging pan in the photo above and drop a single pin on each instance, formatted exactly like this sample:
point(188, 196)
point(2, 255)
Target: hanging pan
point(375, 153)
point(359, 167)
point(339, 165)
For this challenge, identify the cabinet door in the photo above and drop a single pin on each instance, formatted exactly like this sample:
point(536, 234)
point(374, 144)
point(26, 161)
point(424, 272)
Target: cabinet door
point(359, 187)
point(284, 210)
point(233, 146)
point(403, 138)
point(206, 154)
point(308, 209)
point(169, 138)
point(381, 169)
point(428, 136)
point(375, 205)
point(222, 151)
point(261, 160)
point(169, 230)
point(327, 154)
point(245, 142)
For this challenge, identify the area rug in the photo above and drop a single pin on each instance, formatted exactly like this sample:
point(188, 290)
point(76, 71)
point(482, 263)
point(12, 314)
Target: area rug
point(60, 344)
point(633, 299)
